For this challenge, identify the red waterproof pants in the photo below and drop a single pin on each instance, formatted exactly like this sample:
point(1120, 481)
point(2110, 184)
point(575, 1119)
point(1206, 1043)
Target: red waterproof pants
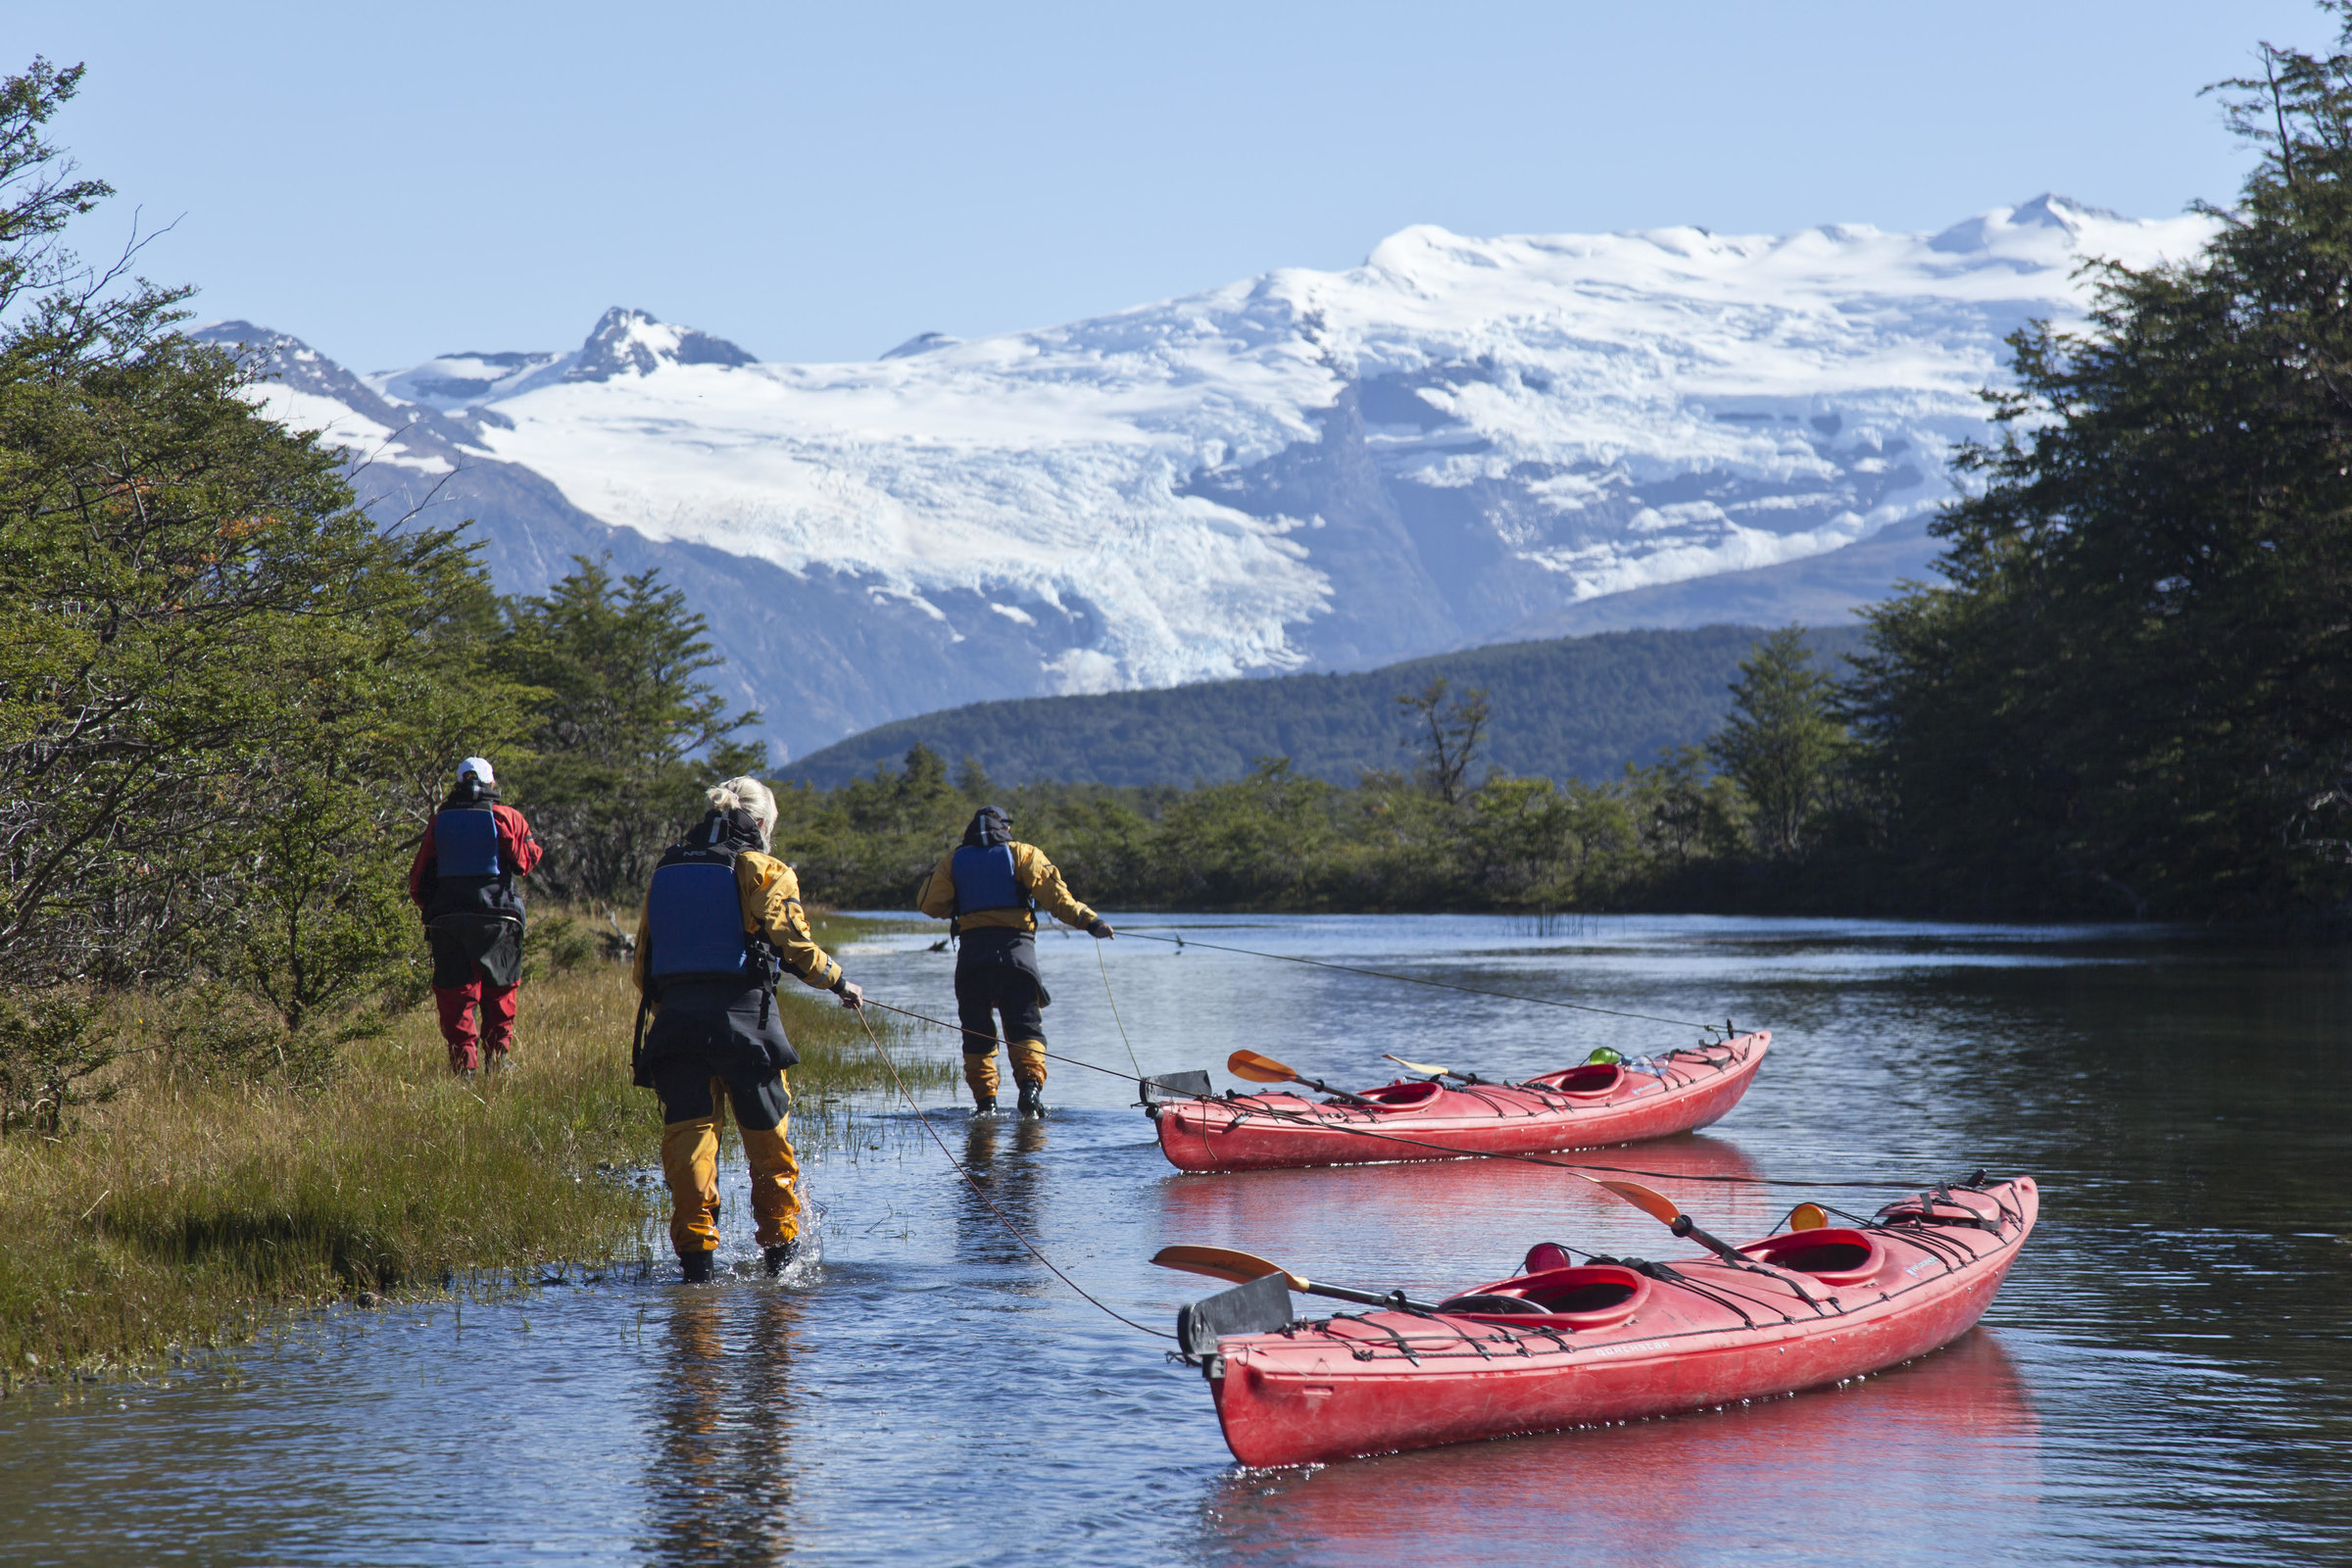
point(457, 1005)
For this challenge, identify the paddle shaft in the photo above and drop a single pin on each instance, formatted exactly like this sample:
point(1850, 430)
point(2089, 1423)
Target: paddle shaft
point(1395, 1301)
point(1724, 1249)
point(1322, 1088)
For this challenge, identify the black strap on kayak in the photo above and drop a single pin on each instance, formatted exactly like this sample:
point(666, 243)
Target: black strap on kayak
point(1668, 1275)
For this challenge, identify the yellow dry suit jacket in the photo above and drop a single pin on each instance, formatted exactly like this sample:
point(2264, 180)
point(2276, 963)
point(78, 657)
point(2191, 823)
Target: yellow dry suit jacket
point(1031, 870)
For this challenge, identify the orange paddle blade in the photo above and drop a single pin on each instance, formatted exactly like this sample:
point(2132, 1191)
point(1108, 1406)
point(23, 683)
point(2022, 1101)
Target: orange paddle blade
point(1808, 1217)
point(1259, 1070)
point(1657, 1206)
point(1223, 1263)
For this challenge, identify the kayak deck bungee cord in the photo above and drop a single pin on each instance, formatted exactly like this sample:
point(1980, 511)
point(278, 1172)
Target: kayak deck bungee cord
point(1587, 1106)
point(1565, 1344)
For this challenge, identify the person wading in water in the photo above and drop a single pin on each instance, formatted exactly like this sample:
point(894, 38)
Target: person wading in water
point(462, 882)
point(990, 888)
point(723, 923)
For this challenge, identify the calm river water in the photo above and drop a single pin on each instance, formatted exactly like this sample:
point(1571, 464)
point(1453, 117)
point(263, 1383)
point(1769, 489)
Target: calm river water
point(2165, 1379)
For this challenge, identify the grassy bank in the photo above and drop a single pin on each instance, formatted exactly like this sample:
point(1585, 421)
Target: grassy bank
point(187, 1211)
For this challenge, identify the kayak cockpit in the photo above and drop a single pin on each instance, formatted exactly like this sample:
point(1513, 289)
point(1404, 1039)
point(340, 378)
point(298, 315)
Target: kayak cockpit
point(1593, 1296)
point(1832, 1257)
point(1594, 1081)
point(1403, 1094)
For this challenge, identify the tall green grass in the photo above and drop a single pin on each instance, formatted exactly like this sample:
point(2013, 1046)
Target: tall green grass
point(182, 1213)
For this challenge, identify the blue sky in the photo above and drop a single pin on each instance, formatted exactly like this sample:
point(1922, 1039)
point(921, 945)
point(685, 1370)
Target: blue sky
point(820, 183)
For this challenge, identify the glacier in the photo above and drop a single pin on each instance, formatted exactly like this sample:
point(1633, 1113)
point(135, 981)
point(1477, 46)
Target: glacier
point(1460, 442)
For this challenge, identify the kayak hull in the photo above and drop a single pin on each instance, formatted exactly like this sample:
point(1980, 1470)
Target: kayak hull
point(1279, 1131)
point(1383, 1381)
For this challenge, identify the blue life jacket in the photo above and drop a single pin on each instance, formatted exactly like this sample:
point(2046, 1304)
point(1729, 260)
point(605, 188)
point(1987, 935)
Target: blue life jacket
point(693, 923)
point(694, 913)
point(466, 842)
point(984, 879)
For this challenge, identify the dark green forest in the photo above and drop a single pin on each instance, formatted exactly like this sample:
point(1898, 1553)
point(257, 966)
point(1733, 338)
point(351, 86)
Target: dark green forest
point(1571, 707)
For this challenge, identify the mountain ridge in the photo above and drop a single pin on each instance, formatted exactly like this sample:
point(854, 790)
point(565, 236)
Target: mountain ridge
point(1460, 441)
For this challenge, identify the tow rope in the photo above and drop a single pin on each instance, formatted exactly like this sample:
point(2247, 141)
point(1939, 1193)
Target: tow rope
point(981, 1193)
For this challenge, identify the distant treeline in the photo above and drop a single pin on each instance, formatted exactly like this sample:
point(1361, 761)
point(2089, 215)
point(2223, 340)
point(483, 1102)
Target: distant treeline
point(1572, 707)
point(1703, 827)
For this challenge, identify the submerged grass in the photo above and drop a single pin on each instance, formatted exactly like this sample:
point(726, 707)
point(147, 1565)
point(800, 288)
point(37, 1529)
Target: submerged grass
point(185, 1213)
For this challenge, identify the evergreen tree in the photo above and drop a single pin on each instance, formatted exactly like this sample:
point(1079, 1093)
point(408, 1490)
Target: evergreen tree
point(216, 674)
point(1783, 743)
point(629, 731)
point(2135, 695)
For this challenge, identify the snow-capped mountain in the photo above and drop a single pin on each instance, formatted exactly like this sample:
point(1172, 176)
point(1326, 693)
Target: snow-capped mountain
point(1460, 441)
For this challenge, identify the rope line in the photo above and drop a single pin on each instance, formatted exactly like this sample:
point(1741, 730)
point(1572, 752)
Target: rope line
point(981, 1193)
point(992, 1039)
point(1114, 1014)
point(1441, 985)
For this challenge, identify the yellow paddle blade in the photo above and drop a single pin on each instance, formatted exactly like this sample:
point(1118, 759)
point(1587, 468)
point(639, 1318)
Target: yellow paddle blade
point(1421, 1068)
point(1807, 1217)
point(1258, 1069)
point(1223, 1263)
point(1657, 1206)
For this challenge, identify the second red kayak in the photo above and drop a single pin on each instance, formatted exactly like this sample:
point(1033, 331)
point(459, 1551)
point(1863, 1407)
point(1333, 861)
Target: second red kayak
point(1563, 1345)
point(1576, 1108)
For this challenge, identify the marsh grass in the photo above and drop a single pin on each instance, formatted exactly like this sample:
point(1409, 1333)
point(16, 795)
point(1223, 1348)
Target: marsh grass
point(188, 1210)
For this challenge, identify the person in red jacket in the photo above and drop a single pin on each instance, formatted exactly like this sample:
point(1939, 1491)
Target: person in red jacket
point(462, 882)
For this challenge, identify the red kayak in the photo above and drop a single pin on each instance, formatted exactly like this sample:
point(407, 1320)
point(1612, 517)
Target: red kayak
point(1567, 1346)
point(1417, 1118)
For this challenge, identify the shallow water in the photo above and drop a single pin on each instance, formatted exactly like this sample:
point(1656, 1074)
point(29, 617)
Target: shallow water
point(2163, 1377)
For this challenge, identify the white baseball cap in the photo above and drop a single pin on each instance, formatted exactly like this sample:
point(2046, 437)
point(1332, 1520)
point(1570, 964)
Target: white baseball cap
point(479, 767)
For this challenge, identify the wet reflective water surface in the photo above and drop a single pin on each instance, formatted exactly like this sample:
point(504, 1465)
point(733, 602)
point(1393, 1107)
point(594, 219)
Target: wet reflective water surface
point(2166, 1377)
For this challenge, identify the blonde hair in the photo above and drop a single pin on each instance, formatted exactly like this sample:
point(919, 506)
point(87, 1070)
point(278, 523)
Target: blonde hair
point(750, 796)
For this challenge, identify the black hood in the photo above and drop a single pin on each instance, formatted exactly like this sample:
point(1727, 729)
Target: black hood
point(470, 790)
point(988, 828)
point(736, 830)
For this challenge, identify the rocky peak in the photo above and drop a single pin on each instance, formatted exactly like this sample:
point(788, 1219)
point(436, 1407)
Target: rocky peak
point(629, 342)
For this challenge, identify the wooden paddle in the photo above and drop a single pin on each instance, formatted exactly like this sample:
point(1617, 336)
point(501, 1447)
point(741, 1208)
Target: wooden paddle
point(1240, 1268)
point(1267, 1070)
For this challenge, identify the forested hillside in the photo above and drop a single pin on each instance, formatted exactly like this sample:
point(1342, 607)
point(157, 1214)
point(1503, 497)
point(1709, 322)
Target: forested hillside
point(1571, 707)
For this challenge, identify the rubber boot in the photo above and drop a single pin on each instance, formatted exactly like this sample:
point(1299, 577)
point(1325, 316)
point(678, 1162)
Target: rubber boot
point(1033, 1100)
point(984, 1104)
point(696, 1268)
point(776, 1260)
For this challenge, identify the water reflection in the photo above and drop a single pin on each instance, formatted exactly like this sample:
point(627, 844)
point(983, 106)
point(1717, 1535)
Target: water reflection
point(1890, 1468)
point(1001, 1156)
point(719, 1467)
